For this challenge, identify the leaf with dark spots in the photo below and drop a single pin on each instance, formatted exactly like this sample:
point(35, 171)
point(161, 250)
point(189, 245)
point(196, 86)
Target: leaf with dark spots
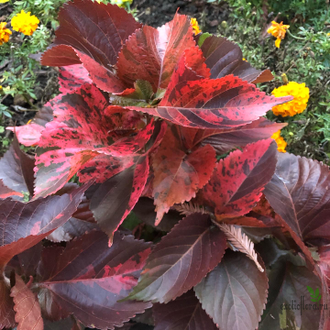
point(239, 179)
point(152, 54)
point(181, 260)
point(288, 284)
point(27, 308)
point(234, 294)
point(30, 133)
point(97, 30)
point(29, 223)
point(224, 57)
point(116, 197)
point(89, 287)
point(184, 312)
point(299, 193)
point(178, 175)
point(16, 169)
point(7, 313)
point(72, 77)
point(222, 103)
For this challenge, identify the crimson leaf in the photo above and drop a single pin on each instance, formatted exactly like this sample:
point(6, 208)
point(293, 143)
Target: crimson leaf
point(27, 308)
point(218, 103)
point(184, 312)
point(234, 293)
point(238, 180)
point(224, 57)
point(90, 287)
point(152, 54)
point(7, 314)
point(180, 260)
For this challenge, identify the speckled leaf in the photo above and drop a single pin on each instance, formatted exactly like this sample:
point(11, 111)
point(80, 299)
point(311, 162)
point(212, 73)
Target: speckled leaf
point(234, 294)
point(224, 57)
point(181, 260)
point(29, 223)
point(98, 30)
point(238, 180)
point(27, 308)
point(299, 193)
point(184, 312)
point(178, 175)
point(80, 132)
point(16, 169)
point(116, 197)
point(89, 286)
point(152, 54)
point(72, 77)
point(224, 103)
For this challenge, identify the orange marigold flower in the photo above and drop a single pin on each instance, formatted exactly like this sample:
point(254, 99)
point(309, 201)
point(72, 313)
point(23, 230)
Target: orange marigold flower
point(281, 143)
point(25, 23)
point(195, 26)
point(278, 30)
point(4, 33)
point(300, 95)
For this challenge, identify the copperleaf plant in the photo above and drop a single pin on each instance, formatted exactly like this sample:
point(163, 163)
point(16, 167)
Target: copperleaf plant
point(166, 135)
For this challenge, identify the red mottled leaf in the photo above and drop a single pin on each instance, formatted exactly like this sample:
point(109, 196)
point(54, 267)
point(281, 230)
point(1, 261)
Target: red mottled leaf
point(28, 313)
point(16, 169)
point(224, 57)
point(72, 77)
point(234, 294)
point(288, 281)
point(30, 134)
point(178, 175)
point(88, 286)
point(181, 260)
point(6, 192)
point(184, 312)
point(152, 54)
point(80, 132)
point(299, 193)
point(7, 313)
point(29, 223)
point(116, 197)
point(223, 103)
point(238, 180)
point(98, 30)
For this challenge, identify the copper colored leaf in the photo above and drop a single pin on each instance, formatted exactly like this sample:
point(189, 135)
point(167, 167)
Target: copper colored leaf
point(152, 54)
point(97, 30)
point(116, 197)
point(223, 103)
point(238, 180)
point(178, 175)
point(28, 313)
point(180, 260)
point(299, 193)
point(184, 312)
point(72, 77)
point(234, 293)
point(87, 278)
point(224, 57)
point(24, 225)
point(16, 169)
point(7, 313)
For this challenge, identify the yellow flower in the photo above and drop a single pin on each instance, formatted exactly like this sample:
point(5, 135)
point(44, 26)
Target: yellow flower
point(278, 30)
point(4, 33)
point(281, 144)
point(25, 23)
point(4, 1)
point(300, 95)
point(195, 26)
point(121, 3)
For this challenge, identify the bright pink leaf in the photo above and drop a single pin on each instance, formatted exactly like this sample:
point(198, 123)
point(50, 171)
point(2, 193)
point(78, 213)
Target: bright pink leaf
point(238, 180)
point(152, 54)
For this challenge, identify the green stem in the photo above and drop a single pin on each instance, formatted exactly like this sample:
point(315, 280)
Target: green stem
point(295, 37)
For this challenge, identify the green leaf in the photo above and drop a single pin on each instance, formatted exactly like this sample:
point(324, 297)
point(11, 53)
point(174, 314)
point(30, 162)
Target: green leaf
point(311, 291)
